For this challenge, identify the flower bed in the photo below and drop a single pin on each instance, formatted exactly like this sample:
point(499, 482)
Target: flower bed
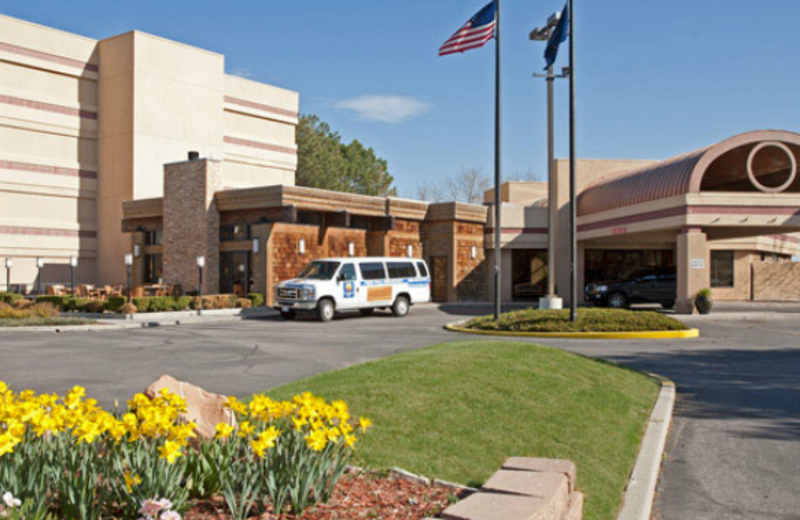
point(589, 320)
point(118, 304)
point(25, 313)
point(68, 457)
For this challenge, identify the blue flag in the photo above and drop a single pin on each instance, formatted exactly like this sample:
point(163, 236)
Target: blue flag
point(558, 37)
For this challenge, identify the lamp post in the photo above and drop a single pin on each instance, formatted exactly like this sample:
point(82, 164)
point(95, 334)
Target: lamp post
point(129, 269)
point(9, 265)
point(551, 301)
point(40, 266)
point(201, 263)
point(73, 263)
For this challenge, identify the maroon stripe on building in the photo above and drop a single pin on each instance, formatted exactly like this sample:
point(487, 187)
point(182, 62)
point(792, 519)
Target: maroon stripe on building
point(53, 170)
point(521, 231)
point(47, 232)
point(260, 106)
point(48, 107)
point(259, 145)
point(692, 210)
point(45, 56)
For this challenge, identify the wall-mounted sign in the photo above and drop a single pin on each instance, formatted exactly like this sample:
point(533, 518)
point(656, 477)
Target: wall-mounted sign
point(698, 263)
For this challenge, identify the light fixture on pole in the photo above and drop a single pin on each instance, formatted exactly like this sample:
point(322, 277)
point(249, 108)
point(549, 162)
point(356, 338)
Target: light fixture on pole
point(9, 265)
point(551, 301)
point(573, 246)
point(129, 269)
point(73, 263)
point(40, 266)
point(201, 263)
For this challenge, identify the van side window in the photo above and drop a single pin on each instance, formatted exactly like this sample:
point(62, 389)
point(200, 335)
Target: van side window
point(423, 272)
point(348, 273)
point(372, 271)
point(401, 270)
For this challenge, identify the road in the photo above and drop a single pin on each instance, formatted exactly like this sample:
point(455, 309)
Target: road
point(733, 453)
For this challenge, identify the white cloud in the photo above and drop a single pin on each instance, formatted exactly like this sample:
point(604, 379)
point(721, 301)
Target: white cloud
point(242, 73)
point(387, 109)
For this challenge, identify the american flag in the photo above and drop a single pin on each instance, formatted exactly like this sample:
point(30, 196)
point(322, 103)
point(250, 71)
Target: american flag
point(475, 33)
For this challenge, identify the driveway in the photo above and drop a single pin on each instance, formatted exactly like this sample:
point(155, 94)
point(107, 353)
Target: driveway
point(734, 450)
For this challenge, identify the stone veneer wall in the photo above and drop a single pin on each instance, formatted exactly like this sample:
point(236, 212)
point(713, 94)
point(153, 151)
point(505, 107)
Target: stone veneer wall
point(406, 233)
point(776, 281)
point(471, 275)
point(741, 289)
point(191, 223)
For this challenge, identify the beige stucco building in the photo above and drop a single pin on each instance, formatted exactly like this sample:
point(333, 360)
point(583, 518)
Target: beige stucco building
point(88, 124)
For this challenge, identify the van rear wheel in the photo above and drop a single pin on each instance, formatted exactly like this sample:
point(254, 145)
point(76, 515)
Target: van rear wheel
point(400, 307)
point(325, 310)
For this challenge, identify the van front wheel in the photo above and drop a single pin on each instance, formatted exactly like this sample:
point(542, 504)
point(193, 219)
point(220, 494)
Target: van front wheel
point(325, 310)
point(400, 307)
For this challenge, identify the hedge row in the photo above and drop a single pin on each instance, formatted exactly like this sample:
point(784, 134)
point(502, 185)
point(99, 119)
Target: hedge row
point(151, 304)
point(9, 298)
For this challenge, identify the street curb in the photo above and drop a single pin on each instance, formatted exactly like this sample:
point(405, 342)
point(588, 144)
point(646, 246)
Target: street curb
point(664, 334)
point(637, 503)
point(118, 324)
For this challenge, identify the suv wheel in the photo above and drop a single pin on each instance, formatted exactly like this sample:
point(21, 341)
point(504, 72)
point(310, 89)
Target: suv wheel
point(325, 310)
point(366, 312)
point(400, 307)
point(288, 315)
point(617, 301)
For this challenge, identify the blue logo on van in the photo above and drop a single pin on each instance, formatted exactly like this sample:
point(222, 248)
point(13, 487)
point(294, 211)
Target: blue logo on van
point(349, 290)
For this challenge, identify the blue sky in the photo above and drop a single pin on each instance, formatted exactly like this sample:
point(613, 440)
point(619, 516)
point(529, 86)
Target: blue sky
point(655, 78)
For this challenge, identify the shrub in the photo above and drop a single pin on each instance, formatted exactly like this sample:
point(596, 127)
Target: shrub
point(113, 303)
point(142, 304)
point(9, 312)
point(95, 307)
point(44, 310)
point(704, 293)
point(77, 304)
point(23, 304)
point(58, 301)
point(257, 299)
point(10, 298)
point(589, 320)
point(243, 303)
point(128, 308)
point(160, 304)
point(181, 303)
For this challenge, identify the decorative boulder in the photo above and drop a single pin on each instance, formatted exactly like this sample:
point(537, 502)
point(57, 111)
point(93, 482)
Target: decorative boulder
point(207, 410)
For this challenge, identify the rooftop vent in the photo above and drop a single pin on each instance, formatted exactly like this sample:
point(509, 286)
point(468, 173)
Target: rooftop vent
point(193, 156)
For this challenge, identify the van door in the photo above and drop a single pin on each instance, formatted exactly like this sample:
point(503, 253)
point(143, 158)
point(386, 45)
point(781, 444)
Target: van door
point(375, 289)
point(347, 287)
point(423, 284)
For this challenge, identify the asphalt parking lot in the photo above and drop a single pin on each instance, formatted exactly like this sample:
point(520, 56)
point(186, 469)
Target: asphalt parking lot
point(734, 450)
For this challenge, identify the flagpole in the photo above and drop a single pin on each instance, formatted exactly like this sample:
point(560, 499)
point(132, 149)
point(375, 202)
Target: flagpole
point(573, 246)
point(497, 177)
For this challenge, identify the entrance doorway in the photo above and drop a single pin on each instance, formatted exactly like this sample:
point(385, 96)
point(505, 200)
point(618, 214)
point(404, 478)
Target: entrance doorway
point(528, 274)
point(235, 273)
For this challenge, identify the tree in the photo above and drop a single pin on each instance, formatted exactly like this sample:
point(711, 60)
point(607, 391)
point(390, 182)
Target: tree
point(466, 185)
point(325, 162)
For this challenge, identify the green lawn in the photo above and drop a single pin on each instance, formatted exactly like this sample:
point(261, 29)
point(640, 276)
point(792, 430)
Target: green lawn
point(457, 410)
point(589, 320)
point(42, 322)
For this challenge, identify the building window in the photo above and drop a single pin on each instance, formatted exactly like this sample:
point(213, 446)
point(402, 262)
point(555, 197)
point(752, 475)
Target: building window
point(154, 238)
point(153, 269)
point(234, 233)
point(235, 273)
point(721, 268)
point(528, 274)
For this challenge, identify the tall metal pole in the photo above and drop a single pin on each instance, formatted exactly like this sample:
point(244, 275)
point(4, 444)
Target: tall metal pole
point(573, 249)
point(551, 190)
point(498, 228)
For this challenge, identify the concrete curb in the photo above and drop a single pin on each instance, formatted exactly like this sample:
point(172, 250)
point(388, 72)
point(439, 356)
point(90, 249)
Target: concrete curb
point(639, 495)
point(664, 334)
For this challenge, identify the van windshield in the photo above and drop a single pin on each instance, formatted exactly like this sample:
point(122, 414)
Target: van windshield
point(319, 271)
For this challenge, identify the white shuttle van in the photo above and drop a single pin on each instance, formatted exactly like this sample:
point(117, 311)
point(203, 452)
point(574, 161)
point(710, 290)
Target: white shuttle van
point(330, 285)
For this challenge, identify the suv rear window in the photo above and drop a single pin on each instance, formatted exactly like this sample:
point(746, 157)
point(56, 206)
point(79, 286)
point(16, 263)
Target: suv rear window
point(372, 271)
point(401, 270)
point(423, 271)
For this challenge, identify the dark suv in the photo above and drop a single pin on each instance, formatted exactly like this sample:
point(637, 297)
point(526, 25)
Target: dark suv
point(642, 286)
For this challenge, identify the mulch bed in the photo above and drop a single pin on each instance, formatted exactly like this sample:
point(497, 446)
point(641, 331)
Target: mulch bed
point(365, 495)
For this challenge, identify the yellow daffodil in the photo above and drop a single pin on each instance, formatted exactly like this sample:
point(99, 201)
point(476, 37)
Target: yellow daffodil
point(224, 431)
point(364, 423)
point(170, 451)
point(131, 481)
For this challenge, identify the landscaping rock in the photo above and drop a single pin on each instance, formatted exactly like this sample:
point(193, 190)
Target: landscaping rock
point(405, 475)
point(551, 487)
point(202, 407)
point(565, 467)
point(497, 506)
point(575, 507)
